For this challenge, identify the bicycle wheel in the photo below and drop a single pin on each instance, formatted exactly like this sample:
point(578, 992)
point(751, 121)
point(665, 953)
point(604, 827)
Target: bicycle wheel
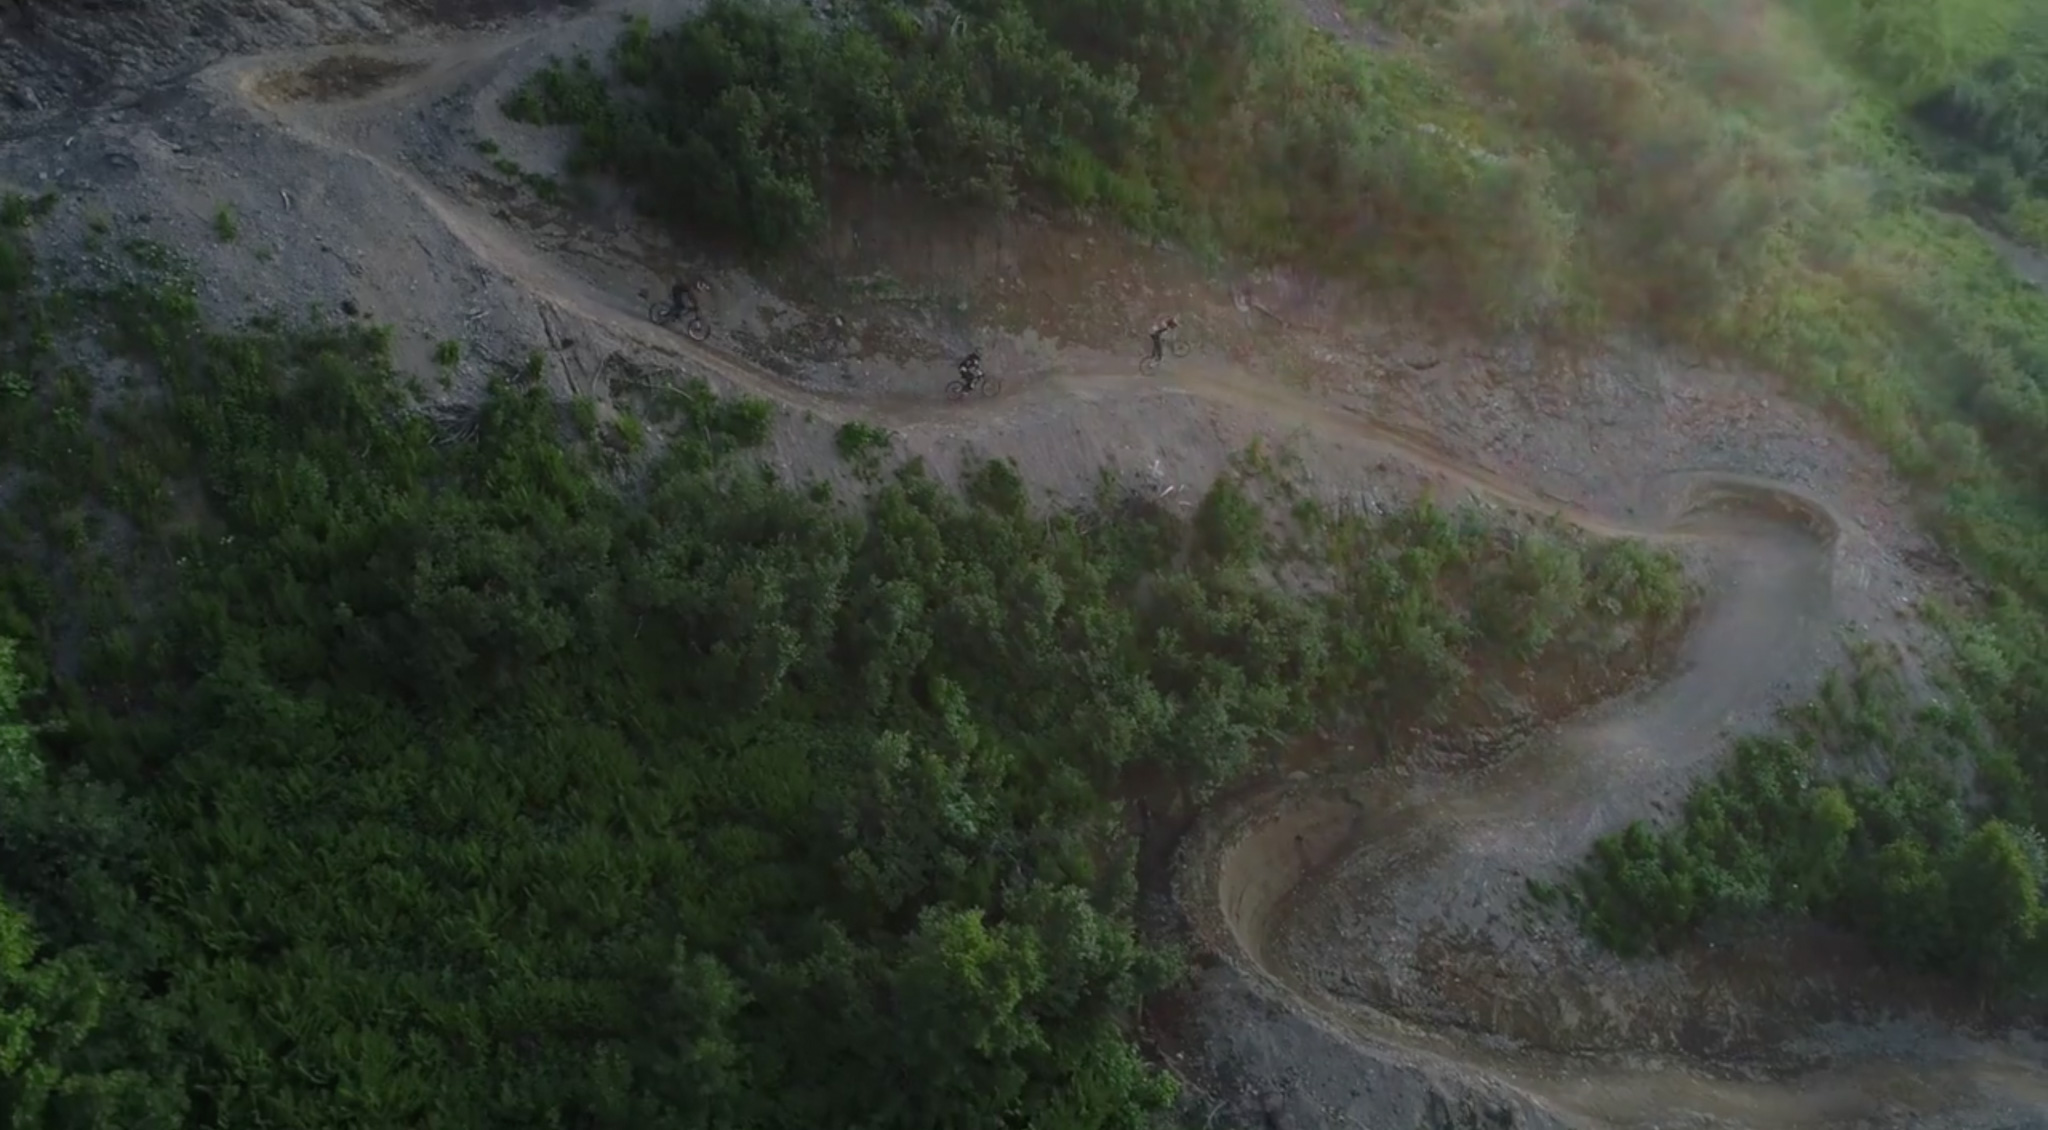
point(1183, 348)
point(955, 389)
point(991, 385)
point(661, 313)
point(698, 329)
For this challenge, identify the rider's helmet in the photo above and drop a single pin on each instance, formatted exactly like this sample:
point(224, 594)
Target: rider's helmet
point(1172, 322)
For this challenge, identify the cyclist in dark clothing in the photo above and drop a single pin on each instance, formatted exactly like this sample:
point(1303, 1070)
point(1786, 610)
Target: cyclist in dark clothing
point(970, 370)
point(682, 298)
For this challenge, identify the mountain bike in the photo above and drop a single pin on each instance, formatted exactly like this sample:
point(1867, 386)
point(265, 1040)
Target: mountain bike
point(985, 385)
point(1178, 347)
point(663, 313)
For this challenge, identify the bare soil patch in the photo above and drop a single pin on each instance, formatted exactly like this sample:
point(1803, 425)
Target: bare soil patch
point(335, 78)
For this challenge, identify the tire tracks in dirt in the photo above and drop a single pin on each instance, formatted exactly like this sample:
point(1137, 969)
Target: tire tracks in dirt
point(1251, 873)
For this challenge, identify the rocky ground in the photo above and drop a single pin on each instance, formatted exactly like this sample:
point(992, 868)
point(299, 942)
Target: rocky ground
point(1369, 965)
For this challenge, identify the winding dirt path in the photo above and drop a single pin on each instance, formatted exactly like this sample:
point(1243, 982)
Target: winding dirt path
point(1281, 881)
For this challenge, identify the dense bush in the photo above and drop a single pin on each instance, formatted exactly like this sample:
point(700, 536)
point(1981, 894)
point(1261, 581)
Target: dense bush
point(405, 769)
point(1886, 849)
point(740, 118)
point(1911, 50)
point(1225, 120)
point(1990, 124)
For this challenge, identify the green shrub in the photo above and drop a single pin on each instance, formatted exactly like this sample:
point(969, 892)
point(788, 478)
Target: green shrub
point(861, 442)
point(18, 211)
point(1229, 526)
point(737, 119)
point(1896, 858)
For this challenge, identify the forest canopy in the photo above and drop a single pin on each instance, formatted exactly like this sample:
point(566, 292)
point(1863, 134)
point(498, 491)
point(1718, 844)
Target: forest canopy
point(369, 762)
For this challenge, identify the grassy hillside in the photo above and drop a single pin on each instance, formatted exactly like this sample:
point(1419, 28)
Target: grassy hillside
point(1785, 184)
point(365, 766)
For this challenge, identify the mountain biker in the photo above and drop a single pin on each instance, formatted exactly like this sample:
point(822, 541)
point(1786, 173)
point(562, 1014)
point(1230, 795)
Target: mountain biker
point(682, 298)
point(970, 370)
point(1160, 329)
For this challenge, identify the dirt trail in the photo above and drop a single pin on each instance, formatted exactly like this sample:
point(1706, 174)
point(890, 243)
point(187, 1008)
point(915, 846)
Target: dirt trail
point(1358, 866)
point(1281, 881)
point(342, 126)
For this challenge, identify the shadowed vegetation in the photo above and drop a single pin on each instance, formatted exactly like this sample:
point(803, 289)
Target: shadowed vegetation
point(364, 763)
